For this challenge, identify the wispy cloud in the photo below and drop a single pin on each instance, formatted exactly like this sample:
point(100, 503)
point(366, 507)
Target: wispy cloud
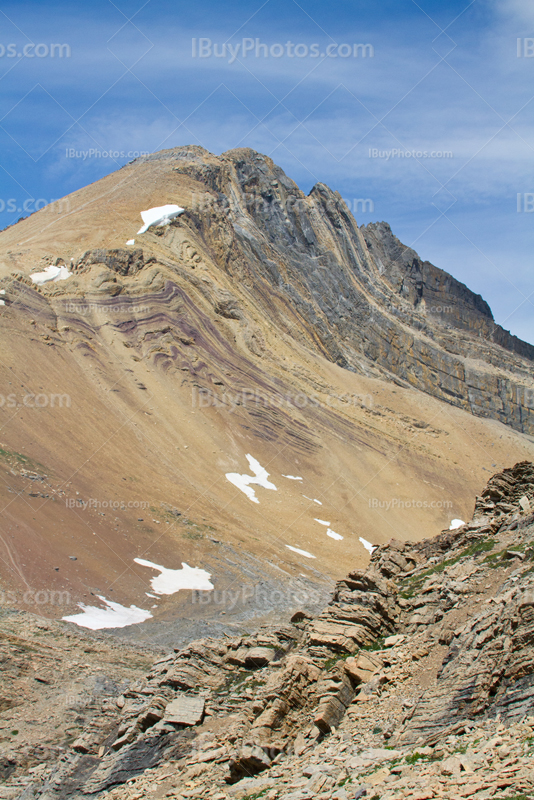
point(132, 86)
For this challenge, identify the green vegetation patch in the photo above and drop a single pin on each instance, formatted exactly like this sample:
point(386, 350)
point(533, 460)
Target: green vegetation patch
point(239, 681)
point(192, 535)
point(378, 644)
point(188, 528)
point(413, 758)
point(515, 797)
point(331, 662)
point(415, 582)
point(19, 461)
point(501, 558)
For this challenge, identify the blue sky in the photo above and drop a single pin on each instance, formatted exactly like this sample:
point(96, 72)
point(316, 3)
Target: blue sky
point(441, 78)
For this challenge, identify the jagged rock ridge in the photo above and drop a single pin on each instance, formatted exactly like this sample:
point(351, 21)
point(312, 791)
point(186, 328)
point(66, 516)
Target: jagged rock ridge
point(435, 641)
point(371, 302)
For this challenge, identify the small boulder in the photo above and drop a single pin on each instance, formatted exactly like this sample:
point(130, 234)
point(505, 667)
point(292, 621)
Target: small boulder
point(250, 761)
point(258, 657)
point(393, 641)
point(329, 714)
point(362, 668)
point(185, 710)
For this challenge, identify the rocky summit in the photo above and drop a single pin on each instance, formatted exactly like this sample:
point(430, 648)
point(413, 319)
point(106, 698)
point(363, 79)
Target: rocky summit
point(415, 681)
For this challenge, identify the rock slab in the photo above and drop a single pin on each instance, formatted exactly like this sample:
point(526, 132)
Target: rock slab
point(185, 710)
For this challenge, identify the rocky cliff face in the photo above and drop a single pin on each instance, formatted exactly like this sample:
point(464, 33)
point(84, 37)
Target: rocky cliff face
point(417, 675)
point(372, 304)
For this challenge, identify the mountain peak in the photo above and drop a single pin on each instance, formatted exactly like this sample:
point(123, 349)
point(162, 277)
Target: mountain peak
point(255, 385)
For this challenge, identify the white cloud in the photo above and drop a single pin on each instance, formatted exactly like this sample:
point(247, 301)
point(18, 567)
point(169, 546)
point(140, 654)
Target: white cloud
point(521, 10)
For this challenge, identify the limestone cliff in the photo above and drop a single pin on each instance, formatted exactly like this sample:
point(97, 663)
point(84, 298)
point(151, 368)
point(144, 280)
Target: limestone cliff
point(371, 302)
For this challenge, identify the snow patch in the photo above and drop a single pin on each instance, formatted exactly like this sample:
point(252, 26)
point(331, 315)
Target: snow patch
point(292, 477)
point(114, 616)
point(50, 274)
point(368, 546)
point(334, 535)
point(322, 522)
point(161, 215)
point(456, 523)
point(130, 241)
point(300, 552)
point(313, 500)
point(243, 482)
point(170, 581)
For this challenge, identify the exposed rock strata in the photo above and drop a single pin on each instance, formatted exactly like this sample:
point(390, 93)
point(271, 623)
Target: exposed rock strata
point(371, 302)
point(356, 295)
point(448, 624)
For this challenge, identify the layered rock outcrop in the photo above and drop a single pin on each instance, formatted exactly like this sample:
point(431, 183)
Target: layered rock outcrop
point(373, 305)
point(356, 295)
point(434, 640)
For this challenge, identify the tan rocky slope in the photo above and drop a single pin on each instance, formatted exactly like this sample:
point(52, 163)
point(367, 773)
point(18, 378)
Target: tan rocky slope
point(416, 681)
point(260, 322)
point(359, 297)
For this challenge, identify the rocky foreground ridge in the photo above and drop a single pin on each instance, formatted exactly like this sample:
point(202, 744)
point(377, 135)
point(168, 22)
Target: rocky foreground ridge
point(416, 681)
